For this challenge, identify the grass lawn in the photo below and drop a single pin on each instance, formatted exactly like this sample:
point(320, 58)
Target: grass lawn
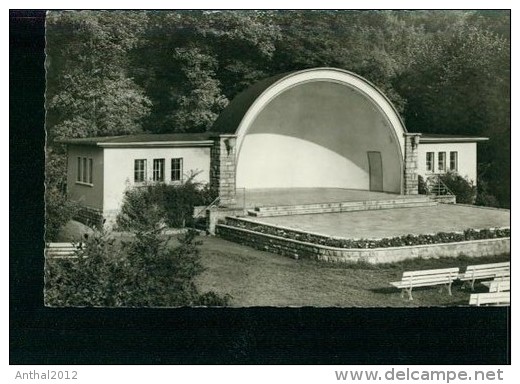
point(256, 278)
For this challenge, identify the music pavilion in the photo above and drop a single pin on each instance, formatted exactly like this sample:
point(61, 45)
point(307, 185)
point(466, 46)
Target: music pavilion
point(303, 135)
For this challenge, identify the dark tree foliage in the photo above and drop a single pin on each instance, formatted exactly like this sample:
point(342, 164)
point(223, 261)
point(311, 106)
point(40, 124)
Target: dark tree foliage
point(58, 209)
point(147, 271)
point(89, 90)
point(165, 71)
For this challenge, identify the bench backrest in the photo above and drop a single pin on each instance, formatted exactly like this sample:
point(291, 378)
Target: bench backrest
point(62, 250)
point(487, 270)
point(500, 285)
point(494, 298)
point(429, 277)
point(432, 272)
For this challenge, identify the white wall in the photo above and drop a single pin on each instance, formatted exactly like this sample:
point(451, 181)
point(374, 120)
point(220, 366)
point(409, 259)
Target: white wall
point(467, 158)
point(88, 195)
point(317, 134)
point(119, 168)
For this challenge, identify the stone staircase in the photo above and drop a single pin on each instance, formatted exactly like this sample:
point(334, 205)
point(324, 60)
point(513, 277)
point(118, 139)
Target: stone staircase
point(349, 206)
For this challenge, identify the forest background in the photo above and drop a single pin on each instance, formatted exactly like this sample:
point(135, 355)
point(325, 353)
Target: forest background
point(125, 72)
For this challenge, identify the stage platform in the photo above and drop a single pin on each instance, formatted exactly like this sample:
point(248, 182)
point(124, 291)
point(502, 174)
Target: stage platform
point(377, 224)
point(358, 214)
point(252, 198)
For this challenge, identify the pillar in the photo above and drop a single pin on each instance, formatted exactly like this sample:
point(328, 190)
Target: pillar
point(411, 178)
point(223, 168)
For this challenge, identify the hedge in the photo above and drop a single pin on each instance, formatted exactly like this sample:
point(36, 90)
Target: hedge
point(399, 241)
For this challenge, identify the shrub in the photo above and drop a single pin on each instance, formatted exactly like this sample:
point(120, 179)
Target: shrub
point(58, 209)
point(423, 186)
point(170, 204)
point(399, 241)
point(484, 196)
point(142, 272)
point(461, 187)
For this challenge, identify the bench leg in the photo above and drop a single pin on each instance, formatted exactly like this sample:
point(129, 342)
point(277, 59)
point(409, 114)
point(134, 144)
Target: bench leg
point(448, 288)
point(409, 291)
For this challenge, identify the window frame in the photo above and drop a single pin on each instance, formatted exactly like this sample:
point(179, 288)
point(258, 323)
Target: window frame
point(142, 171)
point(158, 173)
point(430, 164)
point(90, 168)
point(178, 170)
point(454, 160)
point(85, 171)
point(441, 161)
point(79, 170)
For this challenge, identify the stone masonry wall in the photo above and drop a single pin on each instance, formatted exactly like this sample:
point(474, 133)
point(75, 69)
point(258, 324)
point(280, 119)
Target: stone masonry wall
point(298, 249)
point(223, 169)
point(90, 217)
point(411, 178)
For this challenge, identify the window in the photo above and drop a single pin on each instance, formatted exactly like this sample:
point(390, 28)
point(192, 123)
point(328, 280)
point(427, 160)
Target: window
point(177, 169)
point(78, 170)
point(139, 171)
point(84, 170)
point(442, 162)
point(430, 161)
point(158, 169)
point(90, 171)
point(454, 161)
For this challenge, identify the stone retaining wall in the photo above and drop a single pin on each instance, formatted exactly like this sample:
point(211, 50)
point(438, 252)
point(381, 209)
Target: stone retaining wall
point(90, 217)
point(445, 199)
point(298, 249)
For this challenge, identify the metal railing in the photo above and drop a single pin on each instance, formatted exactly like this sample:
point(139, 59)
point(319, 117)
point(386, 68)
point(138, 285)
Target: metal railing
point(210, 205)
point(437, 187)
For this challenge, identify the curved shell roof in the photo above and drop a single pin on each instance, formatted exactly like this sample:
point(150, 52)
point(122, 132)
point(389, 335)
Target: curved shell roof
point(231, 117)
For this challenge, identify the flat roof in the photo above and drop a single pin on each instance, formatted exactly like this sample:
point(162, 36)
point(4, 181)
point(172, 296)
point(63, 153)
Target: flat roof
point(442, 138)
point(205, 139)
point(146, 139)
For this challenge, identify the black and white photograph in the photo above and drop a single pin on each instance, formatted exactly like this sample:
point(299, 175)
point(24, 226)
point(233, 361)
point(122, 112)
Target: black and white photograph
point(323, 191)
point(277, 158)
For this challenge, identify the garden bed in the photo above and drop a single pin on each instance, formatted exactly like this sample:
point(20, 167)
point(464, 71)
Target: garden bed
point(398, 241)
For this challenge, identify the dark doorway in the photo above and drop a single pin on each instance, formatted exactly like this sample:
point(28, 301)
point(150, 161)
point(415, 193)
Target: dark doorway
point(375, 166)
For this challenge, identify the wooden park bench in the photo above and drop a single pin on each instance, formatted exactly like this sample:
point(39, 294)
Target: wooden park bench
point(492, 298)
point(62, 250)
point(500, 284)
point(431, 277)
point(485, 271)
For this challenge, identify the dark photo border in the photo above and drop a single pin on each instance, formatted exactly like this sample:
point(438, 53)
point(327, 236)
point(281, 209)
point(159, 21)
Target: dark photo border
point(40, 335)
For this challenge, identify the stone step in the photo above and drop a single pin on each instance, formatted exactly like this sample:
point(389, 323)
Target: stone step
point(421, 199)
point(340, 207)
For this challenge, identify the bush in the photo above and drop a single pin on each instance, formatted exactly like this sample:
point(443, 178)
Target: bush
point(142, 272)
point(58, 209)
point(484, 196)
point(422, 187)
point(399, 241)
point(170, 204)
point(460, 187)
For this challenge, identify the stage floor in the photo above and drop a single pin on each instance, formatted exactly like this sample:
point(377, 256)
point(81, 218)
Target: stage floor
point(298, 196)
point(382, 223)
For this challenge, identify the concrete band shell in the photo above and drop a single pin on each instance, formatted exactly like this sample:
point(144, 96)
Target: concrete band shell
point(323, 74)
point(359, 88)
